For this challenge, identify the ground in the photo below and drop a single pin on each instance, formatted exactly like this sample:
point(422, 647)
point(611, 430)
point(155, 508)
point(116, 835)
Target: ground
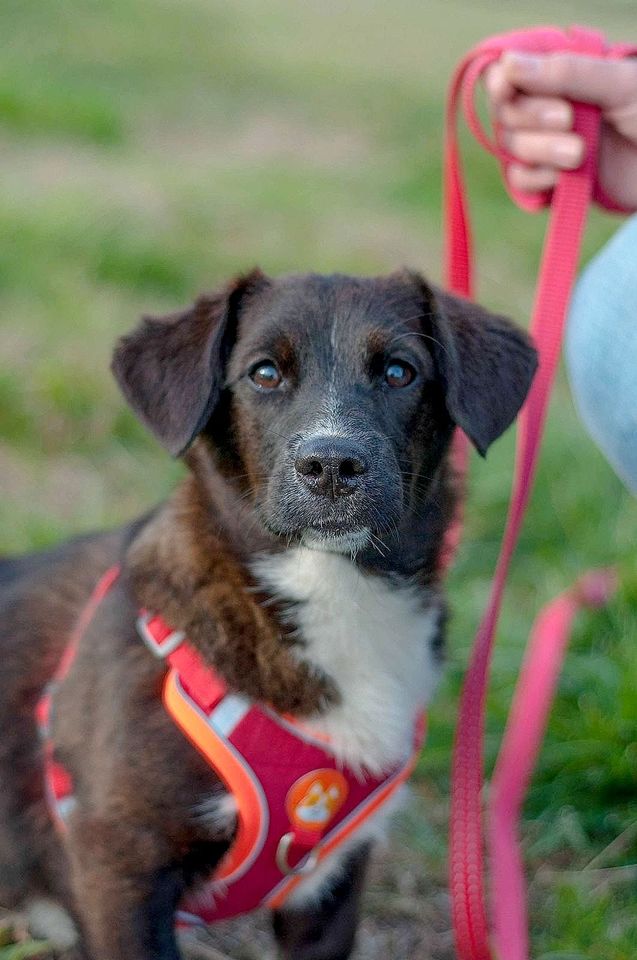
point(149, 148)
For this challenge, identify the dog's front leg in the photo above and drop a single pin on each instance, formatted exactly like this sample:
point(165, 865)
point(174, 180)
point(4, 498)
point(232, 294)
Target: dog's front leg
point(325, 927)
point(126, 891)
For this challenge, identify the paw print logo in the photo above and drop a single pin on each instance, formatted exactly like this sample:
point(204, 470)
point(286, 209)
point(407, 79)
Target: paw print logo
point(315, 799)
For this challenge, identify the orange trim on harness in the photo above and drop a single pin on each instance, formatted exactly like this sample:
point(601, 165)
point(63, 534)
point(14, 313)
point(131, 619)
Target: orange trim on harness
point(235, 775)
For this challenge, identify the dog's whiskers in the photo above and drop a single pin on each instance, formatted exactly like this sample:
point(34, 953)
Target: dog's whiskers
point(378, 545)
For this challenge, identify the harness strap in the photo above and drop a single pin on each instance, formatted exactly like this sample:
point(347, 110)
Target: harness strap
point(568, 207)
point(57, 782)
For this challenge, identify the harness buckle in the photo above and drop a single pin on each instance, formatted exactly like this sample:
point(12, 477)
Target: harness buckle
point(306, 865)
point(160, 648)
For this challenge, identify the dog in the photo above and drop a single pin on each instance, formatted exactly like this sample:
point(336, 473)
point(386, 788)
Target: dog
point(300, 557)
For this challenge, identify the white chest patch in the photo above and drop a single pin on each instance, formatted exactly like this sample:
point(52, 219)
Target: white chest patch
point(372, 638)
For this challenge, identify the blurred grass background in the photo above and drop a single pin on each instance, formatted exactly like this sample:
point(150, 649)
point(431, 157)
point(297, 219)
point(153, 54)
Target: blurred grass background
point(148, 149)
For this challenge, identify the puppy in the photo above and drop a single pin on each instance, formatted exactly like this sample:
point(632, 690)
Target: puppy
point(300, 557)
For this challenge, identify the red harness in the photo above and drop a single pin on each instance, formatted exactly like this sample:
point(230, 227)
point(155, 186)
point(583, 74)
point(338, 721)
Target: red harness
point(296, 804)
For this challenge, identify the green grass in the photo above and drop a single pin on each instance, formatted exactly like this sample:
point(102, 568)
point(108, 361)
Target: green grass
point(150, 148)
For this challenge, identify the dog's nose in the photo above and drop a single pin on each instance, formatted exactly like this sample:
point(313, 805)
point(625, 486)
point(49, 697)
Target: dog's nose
point(330, 466)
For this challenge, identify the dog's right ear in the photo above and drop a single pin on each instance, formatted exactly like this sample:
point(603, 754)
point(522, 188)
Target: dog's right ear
point(171, 369)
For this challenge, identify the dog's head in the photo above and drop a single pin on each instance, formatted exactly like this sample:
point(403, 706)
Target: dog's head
point(330, 400)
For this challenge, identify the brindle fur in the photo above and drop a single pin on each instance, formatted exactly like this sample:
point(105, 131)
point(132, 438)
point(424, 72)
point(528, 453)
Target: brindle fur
point(133, 845)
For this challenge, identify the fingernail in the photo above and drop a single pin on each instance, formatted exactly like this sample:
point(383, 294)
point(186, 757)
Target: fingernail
point(558, 115)
point(525, 64)
point(567, 154)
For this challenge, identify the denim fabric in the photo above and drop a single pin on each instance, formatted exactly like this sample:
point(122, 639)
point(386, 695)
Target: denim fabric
point(601, 351)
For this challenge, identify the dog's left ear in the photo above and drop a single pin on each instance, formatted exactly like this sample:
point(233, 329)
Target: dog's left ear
point(485, 363)
point(171, 369)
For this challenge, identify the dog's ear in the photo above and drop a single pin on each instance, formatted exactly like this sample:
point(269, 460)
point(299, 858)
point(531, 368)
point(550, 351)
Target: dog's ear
point(171, 369)
point(486, 365)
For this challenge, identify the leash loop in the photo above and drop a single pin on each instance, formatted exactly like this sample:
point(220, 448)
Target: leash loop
point(568, 202)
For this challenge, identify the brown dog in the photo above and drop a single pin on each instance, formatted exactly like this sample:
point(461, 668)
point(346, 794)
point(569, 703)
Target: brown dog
point(300, 556)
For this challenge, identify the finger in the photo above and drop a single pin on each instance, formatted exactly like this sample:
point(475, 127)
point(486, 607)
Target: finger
point(531, 179)
point(607, 83)
point(498, 85)
point(529, 113)
point(562, 150)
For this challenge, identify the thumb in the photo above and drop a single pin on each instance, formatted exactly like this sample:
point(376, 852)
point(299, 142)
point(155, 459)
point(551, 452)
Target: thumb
point(605, 83)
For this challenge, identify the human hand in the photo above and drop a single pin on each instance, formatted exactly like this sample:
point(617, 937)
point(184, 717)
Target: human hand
point(529, 98)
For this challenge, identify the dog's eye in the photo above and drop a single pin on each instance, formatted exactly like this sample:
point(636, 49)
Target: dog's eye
point(399, 374)
point(266, 375)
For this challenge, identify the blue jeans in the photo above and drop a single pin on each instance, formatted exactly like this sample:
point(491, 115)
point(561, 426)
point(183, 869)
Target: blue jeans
point(601, 351)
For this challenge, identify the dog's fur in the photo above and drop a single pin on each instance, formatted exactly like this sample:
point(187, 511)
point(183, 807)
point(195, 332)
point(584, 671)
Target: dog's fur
point(301, 558)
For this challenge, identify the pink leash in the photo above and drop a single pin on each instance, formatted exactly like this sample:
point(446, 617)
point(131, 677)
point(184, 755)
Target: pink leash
point(568, 208)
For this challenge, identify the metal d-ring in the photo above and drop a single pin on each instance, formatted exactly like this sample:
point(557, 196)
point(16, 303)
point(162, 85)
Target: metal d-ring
point(306, 865)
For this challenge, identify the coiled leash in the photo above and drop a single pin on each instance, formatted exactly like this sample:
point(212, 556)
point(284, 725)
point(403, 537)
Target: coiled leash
point(568, 203)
